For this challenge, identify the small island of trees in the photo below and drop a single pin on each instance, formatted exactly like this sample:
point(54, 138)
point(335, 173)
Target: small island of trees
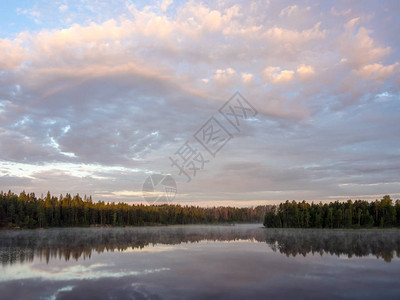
point(357, 214)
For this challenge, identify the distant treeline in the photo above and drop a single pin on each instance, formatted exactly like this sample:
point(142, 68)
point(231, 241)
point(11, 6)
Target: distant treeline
point(357, 214)
point(27, 211)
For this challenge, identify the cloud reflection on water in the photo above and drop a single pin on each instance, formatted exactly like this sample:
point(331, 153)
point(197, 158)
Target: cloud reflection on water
point(198, 262)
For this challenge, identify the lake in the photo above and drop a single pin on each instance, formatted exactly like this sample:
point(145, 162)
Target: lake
point(199, 262)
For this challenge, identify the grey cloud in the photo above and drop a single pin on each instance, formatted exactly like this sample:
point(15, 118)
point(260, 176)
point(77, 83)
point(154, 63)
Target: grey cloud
point(128, 90)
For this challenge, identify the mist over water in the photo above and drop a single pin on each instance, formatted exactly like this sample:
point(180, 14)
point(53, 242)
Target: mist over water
point(80, 243)
point(180, 262)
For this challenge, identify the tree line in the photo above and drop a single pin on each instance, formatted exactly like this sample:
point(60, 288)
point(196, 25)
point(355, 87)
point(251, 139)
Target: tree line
point(357, 214)
point(28, 211)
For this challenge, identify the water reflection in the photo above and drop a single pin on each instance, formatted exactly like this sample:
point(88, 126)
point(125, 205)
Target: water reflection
point(80, 243)
point(383, 244)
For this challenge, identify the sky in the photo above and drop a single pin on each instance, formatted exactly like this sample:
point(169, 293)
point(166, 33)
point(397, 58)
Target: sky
point(95, 96)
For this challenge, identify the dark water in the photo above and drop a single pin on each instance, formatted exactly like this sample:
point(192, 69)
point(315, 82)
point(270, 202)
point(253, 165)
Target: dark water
point(199, 262)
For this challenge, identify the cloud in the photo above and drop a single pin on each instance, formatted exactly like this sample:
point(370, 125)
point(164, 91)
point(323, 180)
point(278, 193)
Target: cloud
point(377, 71)
point(12, 53)
point(213, 20)
point(305, 70)
point(63, 8)
point(289, 11)
point(357, 46)
point(165, 4)
point(338, 13)
point(247, 77)
point(224, 74)
point(276, 75)
point(123, 86)
point(286, 35)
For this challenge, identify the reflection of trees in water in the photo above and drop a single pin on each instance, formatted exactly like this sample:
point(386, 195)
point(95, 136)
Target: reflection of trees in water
point(381, 243)
point(75, 243)
point(80, 243)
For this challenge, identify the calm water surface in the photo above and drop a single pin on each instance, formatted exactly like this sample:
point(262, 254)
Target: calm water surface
point(199, 262)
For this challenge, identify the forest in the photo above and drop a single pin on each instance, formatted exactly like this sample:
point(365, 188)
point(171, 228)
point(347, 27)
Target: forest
point(27, 211)
point(358, 214)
